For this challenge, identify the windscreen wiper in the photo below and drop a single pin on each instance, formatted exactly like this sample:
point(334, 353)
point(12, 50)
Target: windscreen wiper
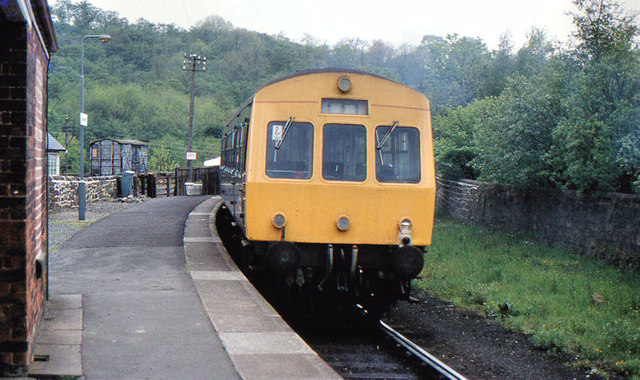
point(387, 135)
point(287, 125)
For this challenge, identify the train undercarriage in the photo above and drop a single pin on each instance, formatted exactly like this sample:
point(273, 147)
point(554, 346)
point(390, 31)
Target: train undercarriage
point(307, 282)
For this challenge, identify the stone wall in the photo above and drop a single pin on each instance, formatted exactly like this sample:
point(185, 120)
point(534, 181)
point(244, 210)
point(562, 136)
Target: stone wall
point(606, 225)
point(63, 190)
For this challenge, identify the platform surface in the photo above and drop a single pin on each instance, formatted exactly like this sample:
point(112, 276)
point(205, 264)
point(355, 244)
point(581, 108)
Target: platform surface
point(150, 292)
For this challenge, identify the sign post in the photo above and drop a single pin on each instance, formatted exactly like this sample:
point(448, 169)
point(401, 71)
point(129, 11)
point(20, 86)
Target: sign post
point(191, 156)
point(84, 122)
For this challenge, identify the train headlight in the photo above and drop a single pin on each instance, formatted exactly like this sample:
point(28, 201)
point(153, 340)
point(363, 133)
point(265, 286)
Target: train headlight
point(279, 220)
point(404, 236)
point(344, 84)
point(343, 223)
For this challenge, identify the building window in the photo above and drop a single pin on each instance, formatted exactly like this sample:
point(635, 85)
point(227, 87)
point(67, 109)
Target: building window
point(53, 162)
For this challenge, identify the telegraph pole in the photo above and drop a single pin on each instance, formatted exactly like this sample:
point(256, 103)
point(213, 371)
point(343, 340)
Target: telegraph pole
point(66, 144)
point(193, 63)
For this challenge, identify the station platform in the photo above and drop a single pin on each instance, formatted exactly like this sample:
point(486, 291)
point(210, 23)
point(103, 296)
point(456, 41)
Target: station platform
point(150, 292)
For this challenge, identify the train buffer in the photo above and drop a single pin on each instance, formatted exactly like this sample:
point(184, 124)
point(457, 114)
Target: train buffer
point(150, 292)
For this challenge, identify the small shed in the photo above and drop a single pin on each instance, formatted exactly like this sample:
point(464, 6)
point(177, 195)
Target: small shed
point(111, 156)
point(53, 155)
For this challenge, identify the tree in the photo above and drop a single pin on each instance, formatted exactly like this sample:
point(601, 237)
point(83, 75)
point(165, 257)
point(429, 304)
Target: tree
point(161, 160)
point(514, 138)
point(599, 139)
point(602, 27)
point(532, 58)
point(499, 68)
point(454, 68)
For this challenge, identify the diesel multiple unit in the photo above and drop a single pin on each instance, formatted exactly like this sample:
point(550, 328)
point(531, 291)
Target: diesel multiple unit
point(329, 186)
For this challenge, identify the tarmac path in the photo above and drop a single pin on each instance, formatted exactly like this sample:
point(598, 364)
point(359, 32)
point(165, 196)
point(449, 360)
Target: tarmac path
point(142, 315)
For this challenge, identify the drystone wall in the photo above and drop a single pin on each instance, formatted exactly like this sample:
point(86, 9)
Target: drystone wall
point(63, 190)
point(606, 225)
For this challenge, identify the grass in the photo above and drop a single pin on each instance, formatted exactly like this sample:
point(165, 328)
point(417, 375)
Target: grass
point(566, 302)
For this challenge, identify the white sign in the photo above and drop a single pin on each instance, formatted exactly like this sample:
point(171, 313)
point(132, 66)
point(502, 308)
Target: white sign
point(192, 156)
point(276, 133)
point(84, 119)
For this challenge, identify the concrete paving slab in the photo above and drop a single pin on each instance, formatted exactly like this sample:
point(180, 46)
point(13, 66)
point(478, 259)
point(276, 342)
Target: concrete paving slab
point(261, 343)
point(297, 366)
point(229, 322)
point(59, 339)
point(200, 258)
point(201, 230)
point(217, 275)
point(232, 295)
point(64, 337)
point(201, 240)
point(62, 319)
point(65, 301)
point(62, 360)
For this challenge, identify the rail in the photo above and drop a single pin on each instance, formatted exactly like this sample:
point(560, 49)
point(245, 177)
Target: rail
point(423, 355)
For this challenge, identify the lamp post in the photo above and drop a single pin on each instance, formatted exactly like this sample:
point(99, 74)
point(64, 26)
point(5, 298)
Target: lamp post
point(83, 123)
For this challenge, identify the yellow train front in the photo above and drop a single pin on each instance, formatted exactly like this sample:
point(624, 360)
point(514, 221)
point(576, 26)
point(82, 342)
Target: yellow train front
point(329, 177)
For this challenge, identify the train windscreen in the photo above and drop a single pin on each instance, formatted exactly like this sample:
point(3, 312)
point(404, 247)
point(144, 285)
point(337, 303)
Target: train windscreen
point(289, 150)
point(344, 152)
point(398, 156)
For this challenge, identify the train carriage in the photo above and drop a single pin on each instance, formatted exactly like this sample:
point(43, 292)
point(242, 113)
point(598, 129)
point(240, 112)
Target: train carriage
point(328, 177)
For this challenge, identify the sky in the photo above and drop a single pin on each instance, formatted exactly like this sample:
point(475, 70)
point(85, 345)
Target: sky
point(397, 22)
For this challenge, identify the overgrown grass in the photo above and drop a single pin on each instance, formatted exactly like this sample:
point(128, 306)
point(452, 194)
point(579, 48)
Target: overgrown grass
point(567, 302)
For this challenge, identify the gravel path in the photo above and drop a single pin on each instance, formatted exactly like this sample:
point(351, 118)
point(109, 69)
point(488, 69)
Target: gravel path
point(64, 224)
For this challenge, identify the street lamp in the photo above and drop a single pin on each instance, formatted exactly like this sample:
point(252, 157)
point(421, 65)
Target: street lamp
point(83, 123)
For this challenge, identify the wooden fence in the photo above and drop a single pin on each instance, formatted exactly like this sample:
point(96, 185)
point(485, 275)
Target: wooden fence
point(207, 176)
point(173, 183)
point(157, 184)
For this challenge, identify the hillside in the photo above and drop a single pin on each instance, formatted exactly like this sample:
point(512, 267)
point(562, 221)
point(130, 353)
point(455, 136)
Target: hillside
point(544, 114)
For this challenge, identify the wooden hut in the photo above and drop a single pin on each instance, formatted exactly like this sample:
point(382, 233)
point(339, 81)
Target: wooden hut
point(111, 156)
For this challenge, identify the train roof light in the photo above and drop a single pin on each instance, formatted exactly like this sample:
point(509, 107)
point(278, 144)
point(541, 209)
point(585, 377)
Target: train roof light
point(344, 84)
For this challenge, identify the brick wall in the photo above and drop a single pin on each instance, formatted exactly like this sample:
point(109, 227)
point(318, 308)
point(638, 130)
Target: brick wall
point(23, 65)
point(606, 225)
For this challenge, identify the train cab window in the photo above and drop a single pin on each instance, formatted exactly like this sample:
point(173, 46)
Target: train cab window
point(290, 154)
point(397, 154)
point(344, 152)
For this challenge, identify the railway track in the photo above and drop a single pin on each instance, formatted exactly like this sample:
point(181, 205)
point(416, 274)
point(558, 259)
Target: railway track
point(383, 354)
point(443, 369)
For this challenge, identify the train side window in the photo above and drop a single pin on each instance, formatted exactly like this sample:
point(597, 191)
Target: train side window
point(344, 152)
point(398, 159)
point(223, 156)
point(294, 156)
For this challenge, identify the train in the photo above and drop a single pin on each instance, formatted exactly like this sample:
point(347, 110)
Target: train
point(328, 185)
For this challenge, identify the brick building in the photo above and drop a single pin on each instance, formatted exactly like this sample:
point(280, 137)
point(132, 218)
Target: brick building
point(26, 40)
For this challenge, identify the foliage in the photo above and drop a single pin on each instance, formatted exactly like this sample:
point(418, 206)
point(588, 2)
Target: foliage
point(540, 115)
point(512, 141)
point(565, 118)
point(567, 302)
point(161, 160)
